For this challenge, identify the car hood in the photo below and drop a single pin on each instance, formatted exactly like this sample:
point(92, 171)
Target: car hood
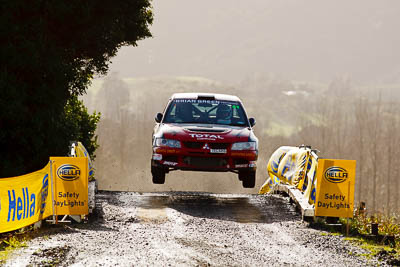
point(205, 132)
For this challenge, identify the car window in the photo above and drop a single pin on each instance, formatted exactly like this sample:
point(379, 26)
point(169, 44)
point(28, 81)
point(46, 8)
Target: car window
point(205, 111)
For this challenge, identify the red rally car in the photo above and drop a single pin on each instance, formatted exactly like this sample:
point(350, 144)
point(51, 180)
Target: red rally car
point(204, 132)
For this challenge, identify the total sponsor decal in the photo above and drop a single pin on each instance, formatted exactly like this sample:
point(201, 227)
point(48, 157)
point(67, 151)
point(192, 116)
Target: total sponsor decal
point(212, 137)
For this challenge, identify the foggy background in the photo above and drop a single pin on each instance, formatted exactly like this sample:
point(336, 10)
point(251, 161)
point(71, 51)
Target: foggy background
point(325, 74)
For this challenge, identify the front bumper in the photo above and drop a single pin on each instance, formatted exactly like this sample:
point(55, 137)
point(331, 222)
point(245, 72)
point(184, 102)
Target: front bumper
point(200, 160)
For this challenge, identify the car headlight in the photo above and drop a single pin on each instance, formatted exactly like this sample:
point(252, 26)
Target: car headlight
point(161, 142)
point(244, 146)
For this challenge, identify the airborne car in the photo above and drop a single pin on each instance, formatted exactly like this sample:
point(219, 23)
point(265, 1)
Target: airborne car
point(204, 132)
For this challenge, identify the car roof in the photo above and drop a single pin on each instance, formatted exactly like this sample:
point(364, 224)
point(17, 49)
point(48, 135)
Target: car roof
point(205, 95)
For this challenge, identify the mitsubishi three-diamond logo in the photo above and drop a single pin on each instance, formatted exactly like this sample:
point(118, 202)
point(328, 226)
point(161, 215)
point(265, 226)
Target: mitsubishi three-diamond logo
point(206, 146)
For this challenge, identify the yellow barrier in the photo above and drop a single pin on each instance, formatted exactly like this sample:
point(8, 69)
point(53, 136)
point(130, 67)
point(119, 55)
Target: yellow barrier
point(272, 167)
point(60, 188)
point(25, 199)
point(310, 181)
point(326, 183)
point(335, 194)
point(294, 166)
point(70, 176)
point(78, 150)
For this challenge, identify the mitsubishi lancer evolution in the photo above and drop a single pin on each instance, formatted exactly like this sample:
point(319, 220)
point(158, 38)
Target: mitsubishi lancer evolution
point(204, 132)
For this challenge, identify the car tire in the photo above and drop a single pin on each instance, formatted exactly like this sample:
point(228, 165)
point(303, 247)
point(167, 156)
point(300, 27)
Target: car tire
point(248, 178)
point(158, 175)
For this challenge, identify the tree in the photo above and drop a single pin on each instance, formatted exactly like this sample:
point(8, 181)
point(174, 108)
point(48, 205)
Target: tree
point(361, 113)
point(80, 125)
point(49, 52)
point(374, 134)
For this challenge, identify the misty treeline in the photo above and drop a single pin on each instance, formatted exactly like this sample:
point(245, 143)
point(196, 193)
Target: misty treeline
point(340, 119)
point(361, 125)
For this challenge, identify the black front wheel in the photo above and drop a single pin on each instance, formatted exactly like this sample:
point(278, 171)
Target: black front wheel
point(248, 178)
point(158, 175)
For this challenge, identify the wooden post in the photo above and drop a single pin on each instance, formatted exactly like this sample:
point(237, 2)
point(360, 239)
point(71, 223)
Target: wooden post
point(348, 201)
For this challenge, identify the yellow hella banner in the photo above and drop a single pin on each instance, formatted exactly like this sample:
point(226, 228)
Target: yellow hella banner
point(335, 188)
point(78, 150)
point(25, 199)
point(294, 166)
point(70, 185)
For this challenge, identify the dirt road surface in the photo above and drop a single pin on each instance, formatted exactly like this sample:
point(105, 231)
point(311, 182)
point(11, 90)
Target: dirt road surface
point(189, 229)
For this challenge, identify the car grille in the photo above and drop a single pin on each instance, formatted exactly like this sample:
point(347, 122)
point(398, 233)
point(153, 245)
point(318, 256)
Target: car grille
point(194, 144)
point(198, 145)
point(205, 162)
point(219, 145)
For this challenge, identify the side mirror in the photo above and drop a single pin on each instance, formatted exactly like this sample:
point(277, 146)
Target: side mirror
point(252, 122)
point(158, 117)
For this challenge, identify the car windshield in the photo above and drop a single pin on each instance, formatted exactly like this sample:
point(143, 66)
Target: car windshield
point(206, 111)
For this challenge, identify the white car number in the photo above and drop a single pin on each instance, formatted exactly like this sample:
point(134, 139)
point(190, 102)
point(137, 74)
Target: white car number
point(219, 151)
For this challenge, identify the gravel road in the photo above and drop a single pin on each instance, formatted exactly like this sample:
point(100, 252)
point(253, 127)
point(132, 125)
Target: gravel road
point(189, 229)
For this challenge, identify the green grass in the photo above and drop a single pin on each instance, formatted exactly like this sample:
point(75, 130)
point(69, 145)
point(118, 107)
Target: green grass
point(360, 232)
point(10, 242)
point(371, 246)
point(387, 225)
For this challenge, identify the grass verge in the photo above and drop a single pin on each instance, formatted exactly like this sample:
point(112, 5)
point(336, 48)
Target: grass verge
point(385, 246)
point(11, 241)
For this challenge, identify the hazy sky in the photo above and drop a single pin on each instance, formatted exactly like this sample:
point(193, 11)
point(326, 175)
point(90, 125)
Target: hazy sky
point(229, 40)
